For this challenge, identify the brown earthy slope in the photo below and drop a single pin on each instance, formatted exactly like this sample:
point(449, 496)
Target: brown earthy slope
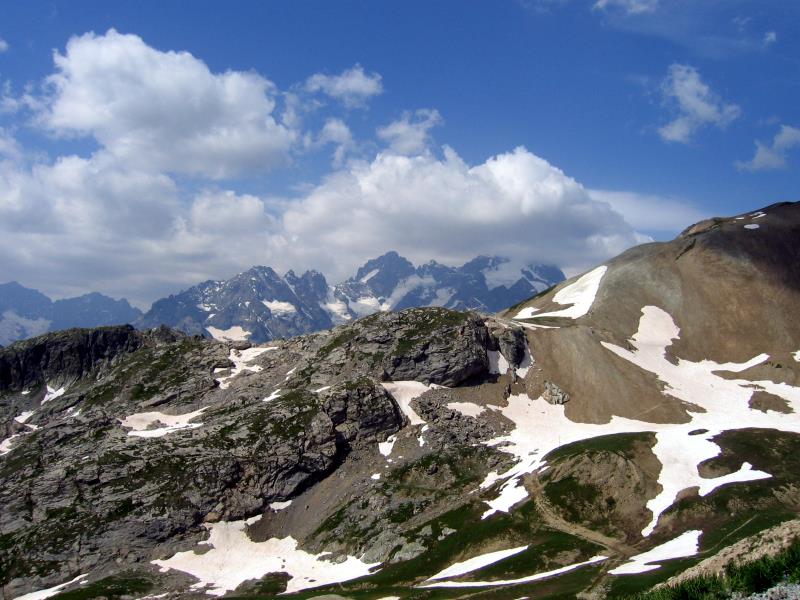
point(733, 289)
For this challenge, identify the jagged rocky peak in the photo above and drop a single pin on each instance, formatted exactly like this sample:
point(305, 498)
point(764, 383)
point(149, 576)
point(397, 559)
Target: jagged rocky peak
point(382, 274)
point(259, 305)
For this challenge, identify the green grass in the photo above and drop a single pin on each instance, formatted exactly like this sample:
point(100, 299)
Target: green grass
point(749, 578)
point(619, 443)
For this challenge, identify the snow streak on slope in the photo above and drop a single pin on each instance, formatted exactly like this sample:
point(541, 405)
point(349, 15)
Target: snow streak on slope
point(528, 579)
point(580, 295)
point(476, 562)
point(234, 558)
point(42, 594)
point(684, 545)
point(542, 427)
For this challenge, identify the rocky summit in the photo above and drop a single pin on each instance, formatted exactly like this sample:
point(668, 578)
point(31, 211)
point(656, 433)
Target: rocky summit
point(632, 423)
point(260, 305)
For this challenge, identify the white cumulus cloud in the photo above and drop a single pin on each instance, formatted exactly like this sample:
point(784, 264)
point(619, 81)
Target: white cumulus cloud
point(514, 204)
point(694, 102)
point(353, 87)
point(773, 156)
point(164, 110)
point(3, 45)
point(410, 134)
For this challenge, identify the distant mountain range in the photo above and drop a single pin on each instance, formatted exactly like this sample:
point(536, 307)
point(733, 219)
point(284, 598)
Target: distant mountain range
point(27, 313)
point(261, 305)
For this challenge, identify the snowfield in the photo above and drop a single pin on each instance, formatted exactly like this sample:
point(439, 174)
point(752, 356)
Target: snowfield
point(233, 558)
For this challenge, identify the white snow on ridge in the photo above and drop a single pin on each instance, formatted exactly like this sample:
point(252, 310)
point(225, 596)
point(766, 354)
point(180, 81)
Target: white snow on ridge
point(580, 295)
point(276, 506)
point(475, 563)
point(234, 558)
point(140, 422)
point(404, 392)
point(279, 308)
point(234, 334)
point(42, 594)
point(528, 579)
point(797, 356)
point(53, 394)
point(682, 546)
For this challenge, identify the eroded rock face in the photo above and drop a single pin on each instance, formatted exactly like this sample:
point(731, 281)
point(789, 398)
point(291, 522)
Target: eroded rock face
point(66, 355)
point(362, 411)
point(511, 343)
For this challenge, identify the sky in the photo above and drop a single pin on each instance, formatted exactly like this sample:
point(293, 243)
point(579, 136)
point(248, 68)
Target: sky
point(145, 147)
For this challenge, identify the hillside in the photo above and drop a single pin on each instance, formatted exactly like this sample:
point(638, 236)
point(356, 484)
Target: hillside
point(593, 441)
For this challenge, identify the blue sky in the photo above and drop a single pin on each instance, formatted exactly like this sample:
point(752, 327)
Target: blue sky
point(546, 130)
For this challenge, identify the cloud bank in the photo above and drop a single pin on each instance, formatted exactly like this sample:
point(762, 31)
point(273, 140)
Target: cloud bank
point(160, 205)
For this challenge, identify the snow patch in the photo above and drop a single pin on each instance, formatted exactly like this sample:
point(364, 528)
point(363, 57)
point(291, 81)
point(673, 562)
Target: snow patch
point(241, 360)
point(580, 295)
point(234, 558)
point(404, 392)
point(53, 394)
point(527, 312)
point(22, 417)
point(476, 562)
point(468, 409)
point(139, 423)
point(751, 226)
point(42, 594)
point(322, 389)
point(385, 448)
point(498, 365)
point(276, 506)
point(279, 308)
point(528, 579)
point(273, 396)
point(682, 546)
point(375, 476)
point(234, 334)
